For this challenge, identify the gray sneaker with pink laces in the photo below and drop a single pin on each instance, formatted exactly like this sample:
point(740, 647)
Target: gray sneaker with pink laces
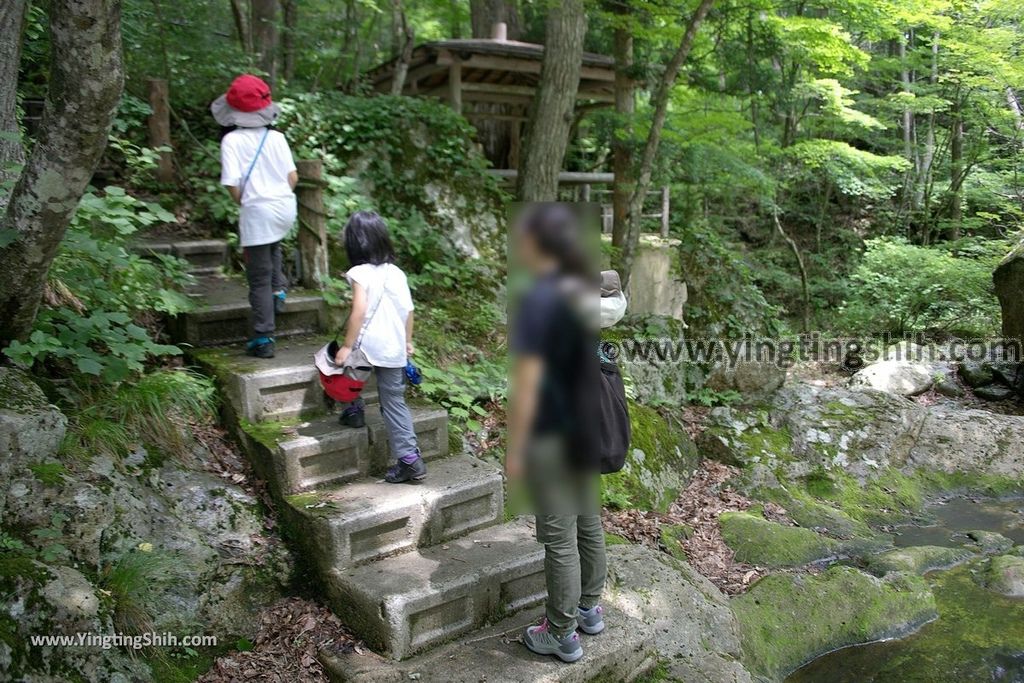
point(541, 640)
point(591, 621)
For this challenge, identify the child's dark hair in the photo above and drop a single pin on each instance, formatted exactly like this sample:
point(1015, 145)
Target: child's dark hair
point(367, 240)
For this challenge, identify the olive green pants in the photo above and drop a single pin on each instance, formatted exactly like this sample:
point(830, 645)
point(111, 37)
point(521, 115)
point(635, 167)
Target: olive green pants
point(569, 527)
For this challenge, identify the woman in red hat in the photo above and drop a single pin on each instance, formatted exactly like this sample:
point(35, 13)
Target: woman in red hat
point(258, 170)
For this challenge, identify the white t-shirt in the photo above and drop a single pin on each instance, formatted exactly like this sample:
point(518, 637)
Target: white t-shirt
point(268, 202)
point(384, 338)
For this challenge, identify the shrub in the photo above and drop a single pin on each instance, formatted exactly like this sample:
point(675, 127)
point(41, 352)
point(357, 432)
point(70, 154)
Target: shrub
point(903, 289)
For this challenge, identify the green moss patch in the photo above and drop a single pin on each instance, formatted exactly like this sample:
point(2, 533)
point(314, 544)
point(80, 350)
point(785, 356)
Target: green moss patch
point(660, 462)
point(757, 540)
point(788, 619)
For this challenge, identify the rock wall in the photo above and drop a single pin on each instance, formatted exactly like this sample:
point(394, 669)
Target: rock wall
point(106, 546)
point(1009, 283)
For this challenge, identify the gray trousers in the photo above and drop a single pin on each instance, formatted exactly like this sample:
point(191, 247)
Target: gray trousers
point(569, 526)
point(396, 414)
point(264, 271)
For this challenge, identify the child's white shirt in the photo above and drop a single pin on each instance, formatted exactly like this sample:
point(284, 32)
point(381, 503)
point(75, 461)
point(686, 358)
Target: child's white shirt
point(268, 203)
point(384, 338)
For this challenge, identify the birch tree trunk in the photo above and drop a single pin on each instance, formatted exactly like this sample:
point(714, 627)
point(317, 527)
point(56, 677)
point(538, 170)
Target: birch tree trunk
point(659, 101)
point(86, 80)
point(548, 127)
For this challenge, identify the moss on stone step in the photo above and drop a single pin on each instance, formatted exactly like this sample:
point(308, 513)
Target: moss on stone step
point(788, 619)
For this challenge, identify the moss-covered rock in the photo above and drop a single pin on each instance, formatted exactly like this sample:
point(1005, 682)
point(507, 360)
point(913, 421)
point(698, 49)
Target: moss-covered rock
point(917, 559)
point(757, 540)
point(1005, 575)
point(661, 460)
point(989, 542)
point(788, 619)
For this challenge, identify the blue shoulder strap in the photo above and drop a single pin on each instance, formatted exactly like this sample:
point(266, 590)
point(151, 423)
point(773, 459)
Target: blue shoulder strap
point(248, 173)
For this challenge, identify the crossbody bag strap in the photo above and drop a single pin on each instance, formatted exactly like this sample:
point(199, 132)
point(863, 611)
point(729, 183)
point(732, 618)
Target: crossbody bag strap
point(245, 179)
point(373, 311)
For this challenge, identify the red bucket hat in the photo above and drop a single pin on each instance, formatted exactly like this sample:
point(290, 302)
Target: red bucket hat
point(249, 93)
point(247, 104)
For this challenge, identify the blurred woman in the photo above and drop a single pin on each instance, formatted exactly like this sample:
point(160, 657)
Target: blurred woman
point(555, 368)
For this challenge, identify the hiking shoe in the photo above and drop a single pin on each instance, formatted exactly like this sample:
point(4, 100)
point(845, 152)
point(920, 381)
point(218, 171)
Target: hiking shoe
point(279, 301)
point(591, 621)
point(262, 347)
point(541, 640)
point(352, 417)
point(402, 472)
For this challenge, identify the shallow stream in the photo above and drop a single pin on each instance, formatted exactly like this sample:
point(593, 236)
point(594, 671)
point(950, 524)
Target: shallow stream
point(978, 636)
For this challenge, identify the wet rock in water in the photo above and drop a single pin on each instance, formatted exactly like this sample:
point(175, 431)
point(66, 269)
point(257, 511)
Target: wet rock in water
point(692, 627)
point(898, 377)
point(975, 373)
point(759, 541)
point(789, 619)
point(989, 542)
point(1006, 575)
point(917, 559)
point(994, 392)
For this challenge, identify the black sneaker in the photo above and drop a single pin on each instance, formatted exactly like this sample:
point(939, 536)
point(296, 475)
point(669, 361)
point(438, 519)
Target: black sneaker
point(352, 418)
point(401, 472)
point(260, 348)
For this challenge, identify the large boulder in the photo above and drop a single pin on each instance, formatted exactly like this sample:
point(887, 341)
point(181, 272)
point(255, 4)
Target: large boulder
point(808, 430)
point(788, 619)
point(747, 371)
point(899, 377)
point(692, 626)
point(661, 460)
point(1009, 283)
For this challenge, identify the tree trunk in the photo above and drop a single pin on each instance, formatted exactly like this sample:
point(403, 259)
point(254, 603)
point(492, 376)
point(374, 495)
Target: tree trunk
point(264, 36)
point(659, 100)
point(12, 154)
point(956, 172)
point(290, 10)
point(928, 159)
point(86, 80)
point(408, 37)
point(483, 14)
point(804, 284)
point(622, 143)
point(242, 26)
point(548, 127)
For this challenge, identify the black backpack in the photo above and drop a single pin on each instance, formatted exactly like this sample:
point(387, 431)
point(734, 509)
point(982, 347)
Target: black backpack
point(614, 430)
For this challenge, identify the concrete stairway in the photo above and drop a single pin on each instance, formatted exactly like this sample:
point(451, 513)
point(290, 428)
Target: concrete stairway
point(408, 567)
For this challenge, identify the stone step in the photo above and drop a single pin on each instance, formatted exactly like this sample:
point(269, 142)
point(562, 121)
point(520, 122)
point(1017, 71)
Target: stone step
point(223, 316)
point(368, 519)
point(496, 654)
point(204, 256)
point(321, 452)
point(280, 388)
point(408, 603)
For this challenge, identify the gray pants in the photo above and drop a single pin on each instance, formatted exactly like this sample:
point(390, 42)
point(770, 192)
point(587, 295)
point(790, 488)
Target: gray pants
point(264, 271)
point(569, 526)
point(396, 414)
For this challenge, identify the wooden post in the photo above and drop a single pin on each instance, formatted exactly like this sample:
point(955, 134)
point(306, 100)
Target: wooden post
point(160, 128)
point(586, 192)
point(455, 86)
point(312, 223)
point(664, 211)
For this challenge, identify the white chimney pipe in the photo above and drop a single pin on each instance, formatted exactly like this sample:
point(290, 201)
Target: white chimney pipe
point(499, 31)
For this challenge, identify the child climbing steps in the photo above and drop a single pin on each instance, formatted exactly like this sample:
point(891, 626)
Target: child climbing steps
point(379, 335)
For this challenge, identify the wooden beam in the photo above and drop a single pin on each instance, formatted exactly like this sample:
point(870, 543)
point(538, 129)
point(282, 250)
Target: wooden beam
point(524, 66)
point(564, 177)
point(528, 91)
